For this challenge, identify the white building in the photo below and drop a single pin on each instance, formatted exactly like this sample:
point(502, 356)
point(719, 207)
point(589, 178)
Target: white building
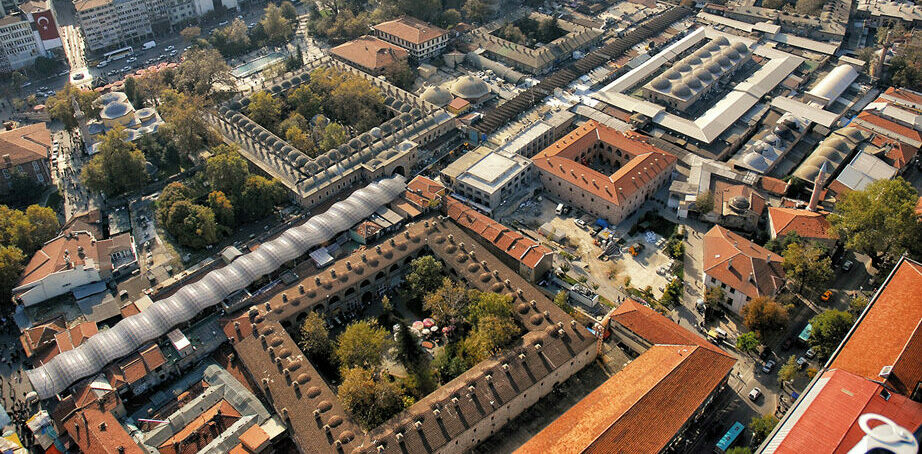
point(422, 39)
point(488, 178)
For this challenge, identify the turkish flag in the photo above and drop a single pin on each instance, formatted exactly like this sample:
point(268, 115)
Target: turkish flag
point(44, 23)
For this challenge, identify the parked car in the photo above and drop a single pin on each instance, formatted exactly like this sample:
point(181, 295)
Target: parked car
point(811, 353)
point(768, 366)
point(826, 296)
point(847, 265)
point(765, 353)
point(755, 394)
point(580, 223)
point(802, 362)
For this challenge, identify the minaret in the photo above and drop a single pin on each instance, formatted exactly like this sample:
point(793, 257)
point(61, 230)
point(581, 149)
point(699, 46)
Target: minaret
point(817, 187)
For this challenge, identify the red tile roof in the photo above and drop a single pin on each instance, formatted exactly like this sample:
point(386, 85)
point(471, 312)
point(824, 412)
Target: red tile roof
point(742, 264)
point(724, 192)
point(884, 126)
point(889, 332)
point(641, 408)
point(645, 164)
point(808, 224)
point(98, 432)
point(829, 422)
point(24, 145)
point(59, 254)
point(428, 188)
point(656, 328)
point(459, 104)
point(410, 29)
point(370, 52)
point(197, 432)
point(905, 95)
point(524, 250)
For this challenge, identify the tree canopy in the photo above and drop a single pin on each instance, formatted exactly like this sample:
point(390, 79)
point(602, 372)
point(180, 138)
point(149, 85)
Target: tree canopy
point(747, 342)
point(828, 329)
point(117, 168)
point(315, 338)
point(761, 427)
point(764, 315)
point(879, 221)
point(425, 275)
point(369, 399)
point(226, 170)
point(807, 265)
point(60, 106)
point(193, 225)
point(201, 71)
point(447, 302)
point(363, 344)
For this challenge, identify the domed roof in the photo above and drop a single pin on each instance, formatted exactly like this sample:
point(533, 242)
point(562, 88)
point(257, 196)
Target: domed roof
point(769, 153)
point(114, 110)
point(771, 139)
point(672, 74)
point(838, 143)
point(756, 161)
point(694, 60)
point(724, 61)
point(130, 134)
point(722, 40)
point(112, 96)
point(703, 75)
point(681, 90)
point(692, 82)
point(661, 83)
point(740, 47)
point(703, 53)
point(712, 47)
point(714, 67)
point(739, 204)
point(852, 133)
point(437, 95)
point(731, 53)
point(683, 68)
point(469, 87)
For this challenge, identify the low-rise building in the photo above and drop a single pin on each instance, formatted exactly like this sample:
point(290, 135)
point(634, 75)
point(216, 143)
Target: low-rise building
point(809, 225)
point(488, 178)
point(648, 405)
point(736, 206)
point(43, 342)
point(741, 268)
point(370, 54)
point(531, 259)
point(421, 39)
point(71, 260)
point(634, 169)
point(25, 150)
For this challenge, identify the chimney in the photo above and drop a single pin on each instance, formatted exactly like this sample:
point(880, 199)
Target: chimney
point(7, 161)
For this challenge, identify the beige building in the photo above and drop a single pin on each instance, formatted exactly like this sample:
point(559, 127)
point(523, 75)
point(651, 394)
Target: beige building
point(421, 39)
point(113, 23)
point(18, 46)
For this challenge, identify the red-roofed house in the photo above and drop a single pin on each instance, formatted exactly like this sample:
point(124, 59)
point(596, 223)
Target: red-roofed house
point(640, 169)
point(370, 54)
point(422, 39)
point(531, 259)
point(137, 372)
point(646, 407)
point(736, 206)
point(26, 150)
point(810, 225)
point(99, 432)
point(876, 123)
point(903, 97)
point(876, 369)
point(743, 269)
point(70, 260)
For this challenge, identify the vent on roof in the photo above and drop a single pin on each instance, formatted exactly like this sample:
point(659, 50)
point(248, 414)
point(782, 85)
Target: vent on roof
point(885, 371)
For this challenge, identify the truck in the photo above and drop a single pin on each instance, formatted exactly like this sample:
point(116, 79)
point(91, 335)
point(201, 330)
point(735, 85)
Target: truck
point(149, 45)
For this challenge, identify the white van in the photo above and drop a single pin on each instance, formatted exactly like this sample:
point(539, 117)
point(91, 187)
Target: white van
point(149, 45)
point(559, 209)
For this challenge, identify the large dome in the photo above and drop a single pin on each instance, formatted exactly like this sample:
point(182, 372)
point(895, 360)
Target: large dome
point(739, 204)
point(724, 61)
point(714, 67)
point(114, 110)
point(723, 41)
point(756, 161)
point(437, 95)
point(684, 68)
point(469, 87)
point(740, 47)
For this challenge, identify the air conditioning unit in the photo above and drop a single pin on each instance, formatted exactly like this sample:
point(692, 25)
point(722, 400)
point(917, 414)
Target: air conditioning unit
point(885, 371)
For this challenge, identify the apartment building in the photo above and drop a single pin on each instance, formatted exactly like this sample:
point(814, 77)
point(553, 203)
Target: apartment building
point(17, 45)
point(113, 23)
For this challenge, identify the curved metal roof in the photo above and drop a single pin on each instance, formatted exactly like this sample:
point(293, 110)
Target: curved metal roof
point(131, 333)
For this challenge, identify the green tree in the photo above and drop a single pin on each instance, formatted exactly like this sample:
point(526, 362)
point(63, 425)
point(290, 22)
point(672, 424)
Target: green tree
point(132, 91)
point(672, 294)
point(172, 193)
point(476, 10)
point(704, 203)
point(278, 29)
point(193, 225)
point(260, 197)
point(788, 371)
point(400, 74)
point(190, 33)
point(447, 302)
point(288, 11)
point(562, 300)
point(117, 168)
point(231, 40)
point(807, 265)
point(202, 71)
point(305, 103)
point(764, 315)
point(23, 188)
point(61, 105)
point(184, 122)
point(315, 338)
point(300, 140)
point(857, 305)
point(828, 329)
point(43, 226)
point(227, 171)
point(369, 399)
point(334, 135)
point(761, 427)
point(265, 109)
point(222, 207)
point(747, 342)
point(449, 363)
point(449, 18)
point(880, 220)
point(781, 243)
point(425, 275)
point(11, 266)
point(487, 304)
point(489, 337)
point(363, 344)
